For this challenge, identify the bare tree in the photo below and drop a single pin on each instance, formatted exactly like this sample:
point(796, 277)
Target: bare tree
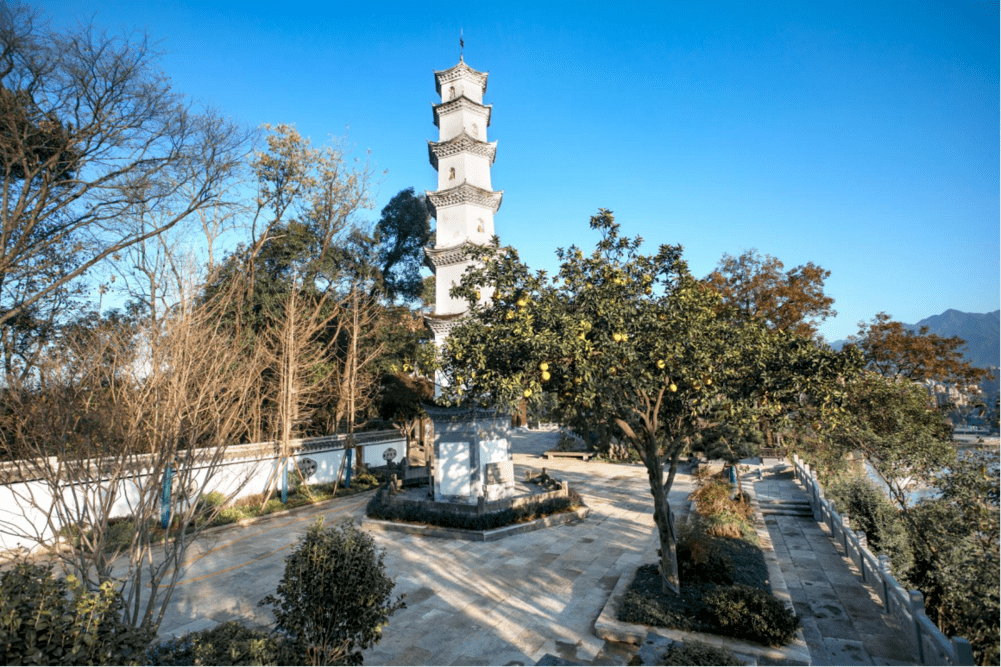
point(92, 140)
point(127, 408)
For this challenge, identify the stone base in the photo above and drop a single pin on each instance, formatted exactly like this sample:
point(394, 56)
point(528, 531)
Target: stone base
point(492, 492)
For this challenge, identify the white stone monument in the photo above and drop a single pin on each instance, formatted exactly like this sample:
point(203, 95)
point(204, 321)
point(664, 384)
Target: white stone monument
point(472, 455)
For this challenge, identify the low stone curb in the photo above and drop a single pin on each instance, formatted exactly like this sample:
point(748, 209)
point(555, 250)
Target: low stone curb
point(609, 627)
point(560, 519)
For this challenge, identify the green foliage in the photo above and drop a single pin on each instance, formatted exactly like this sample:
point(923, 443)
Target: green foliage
point(402, 232)
point(45, 620)
point(873, 513)
point(378, 508)
point(698, 653)
point(335, 596)
point(889, 423)
point(955, 539)
point(751, 613)
point(631, 342)
point(230, 643)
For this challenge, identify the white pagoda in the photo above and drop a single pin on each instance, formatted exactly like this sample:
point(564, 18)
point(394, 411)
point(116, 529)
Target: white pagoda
point(464, 203)
point(472, 452)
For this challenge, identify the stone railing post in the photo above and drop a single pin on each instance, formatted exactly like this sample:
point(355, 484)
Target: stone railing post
point(846, 531)
point(917, 600)
point(885, 573)
point(863, 544)
point(963, 650)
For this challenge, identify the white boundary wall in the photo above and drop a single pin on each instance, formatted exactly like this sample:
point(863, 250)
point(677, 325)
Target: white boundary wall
point(908, 607)
point(245, 470)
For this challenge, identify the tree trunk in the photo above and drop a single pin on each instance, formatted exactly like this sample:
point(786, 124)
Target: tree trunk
point(664, 518)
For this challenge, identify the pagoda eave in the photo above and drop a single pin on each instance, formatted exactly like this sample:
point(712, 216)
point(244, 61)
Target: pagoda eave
point(460, 102)
point(457, 72)
point(442, 325)
point(459, 144)
point(464, 194)
point(436, 257)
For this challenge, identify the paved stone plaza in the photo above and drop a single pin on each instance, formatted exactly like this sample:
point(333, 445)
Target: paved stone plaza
point(515, 600)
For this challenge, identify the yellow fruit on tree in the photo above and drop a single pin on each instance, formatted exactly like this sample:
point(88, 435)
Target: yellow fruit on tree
point(661, 364)
point(545, 375)
point(617, 337)
point(527, 393)
point(709, 381)
point(509, 315)
point(673, 387)
point(544, 366)
point(522, 302)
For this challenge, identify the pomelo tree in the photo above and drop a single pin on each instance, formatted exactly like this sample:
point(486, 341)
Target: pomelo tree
point(630, 340)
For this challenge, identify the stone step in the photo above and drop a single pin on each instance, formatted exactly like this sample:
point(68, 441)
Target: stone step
point(782, 501)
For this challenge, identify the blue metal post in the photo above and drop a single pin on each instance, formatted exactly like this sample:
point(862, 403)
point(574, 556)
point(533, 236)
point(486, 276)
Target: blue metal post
point(285, 482)
point(165, 499)
point(347, 474)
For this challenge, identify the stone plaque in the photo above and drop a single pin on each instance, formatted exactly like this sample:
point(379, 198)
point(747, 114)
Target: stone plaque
point(501, 472)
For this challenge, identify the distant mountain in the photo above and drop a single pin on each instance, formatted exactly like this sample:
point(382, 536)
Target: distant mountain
point(981, 331)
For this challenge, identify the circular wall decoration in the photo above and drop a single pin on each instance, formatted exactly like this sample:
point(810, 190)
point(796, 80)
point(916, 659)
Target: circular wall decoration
point(389, 454)
point(307, 467)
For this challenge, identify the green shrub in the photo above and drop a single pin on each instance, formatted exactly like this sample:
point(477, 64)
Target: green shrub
point(873, 513)
point(45, 620)
point(273, 505)
point(697, 653)
point(751, 613)
point(335, 597)
point(379, 509)
point(212, 499)
point(230, 643)
point(702, 558)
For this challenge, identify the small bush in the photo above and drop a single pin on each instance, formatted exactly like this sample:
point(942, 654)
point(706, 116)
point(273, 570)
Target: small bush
point(874, 514)
point(724, 514)
point(45, 620)
point(751, 613)
point(212, 499)
point(702, 559)
point(335, 596)
point(230, 643)
point(698, 653)
point(273, 505)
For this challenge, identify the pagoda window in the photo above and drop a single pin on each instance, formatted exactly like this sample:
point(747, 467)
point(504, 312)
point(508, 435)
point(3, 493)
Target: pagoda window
point(451, 173)
point(476, 130)
point(451, 92)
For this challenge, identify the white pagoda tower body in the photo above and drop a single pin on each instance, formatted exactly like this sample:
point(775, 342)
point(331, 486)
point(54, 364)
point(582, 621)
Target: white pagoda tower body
point(464, 203)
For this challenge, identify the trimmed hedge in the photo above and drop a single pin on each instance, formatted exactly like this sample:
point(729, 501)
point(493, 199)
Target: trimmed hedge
point(379, 509)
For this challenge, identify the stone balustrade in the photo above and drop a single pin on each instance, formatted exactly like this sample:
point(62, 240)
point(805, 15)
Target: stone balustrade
point(907, 607)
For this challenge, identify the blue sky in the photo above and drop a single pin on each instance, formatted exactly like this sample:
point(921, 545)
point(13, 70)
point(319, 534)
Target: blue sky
point(861, 136)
